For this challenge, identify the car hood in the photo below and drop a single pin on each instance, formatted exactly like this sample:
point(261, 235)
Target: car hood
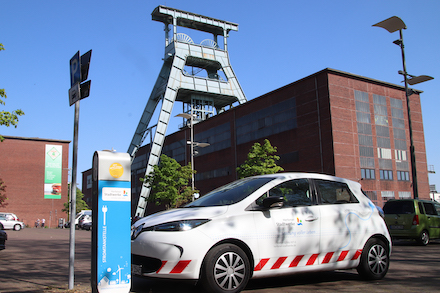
point(182, 214)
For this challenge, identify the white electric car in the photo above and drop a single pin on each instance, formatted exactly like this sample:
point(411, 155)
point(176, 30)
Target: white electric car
point(264, 226)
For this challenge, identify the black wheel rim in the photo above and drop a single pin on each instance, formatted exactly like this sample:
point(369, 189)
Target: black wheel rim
point(229, 271)
point(377, 259)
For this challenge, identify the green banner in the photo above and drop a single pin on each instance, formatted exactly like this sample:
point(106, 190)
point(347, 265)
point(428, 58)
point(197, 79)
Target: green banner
point(52, 171)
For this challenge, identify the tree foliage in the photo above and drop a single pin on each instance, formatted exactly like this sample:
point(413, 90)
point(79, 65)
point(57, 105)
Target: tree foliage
point(169, 183)
point(3, 197)
point(8, 118)
point(80, 203)
point(260, 160)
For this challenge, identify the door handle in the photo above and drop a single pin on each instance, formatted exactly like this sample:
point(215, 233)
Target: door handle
point(311, 218)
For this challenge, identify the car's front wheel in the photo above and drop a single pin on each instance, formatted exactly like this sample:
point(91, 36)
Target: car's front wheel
point(17, 227)
point(226, 268)
point(375, 260)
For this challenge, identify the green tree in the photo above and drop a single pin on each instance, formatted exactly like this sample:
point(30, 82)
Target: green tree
point(260, 160)
point(80, 203)
point(3, 197)
point(8, 118)
point(169, 183)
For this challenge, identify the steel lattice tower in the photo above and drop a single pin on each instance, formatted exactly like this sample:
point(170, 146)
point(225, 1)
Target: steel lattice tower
point(200, 95)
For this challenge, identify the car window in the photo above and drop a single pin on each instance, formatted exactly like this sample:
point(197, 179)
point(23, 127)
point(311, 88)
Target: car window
point(429, 208)
point(230, 193)
point(399, 207)
point(333, 192)
point(437, 207)
point(295, 193)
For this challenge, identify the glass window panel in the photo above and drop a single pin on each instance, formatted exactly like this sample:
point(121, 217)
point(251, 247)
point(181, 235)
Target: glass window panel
point(398, 123)
point(378, 99)
point(383, 142)
point(396, 103)
point(381, 120)
point(362, 106)
point(366, 151)
point(366, 140)
point(399, 133)
point(364, 128)
point(380, 110)
point(382, 131)
point(361, 96)
point(363, 117)
point(397, 113)
point(400, 144)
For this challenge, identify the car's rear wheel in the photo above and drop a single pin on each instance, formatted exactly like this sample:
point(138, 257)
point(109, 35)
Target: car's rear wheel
point(375, 260)
point(226, 268)
point(423, 238)
point(17, 227)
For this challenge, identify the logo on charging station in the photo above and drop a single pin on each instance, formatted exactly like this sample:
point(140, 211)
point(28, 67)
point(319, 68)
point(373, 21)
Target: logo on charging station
point(116, 170)
point(115, 194)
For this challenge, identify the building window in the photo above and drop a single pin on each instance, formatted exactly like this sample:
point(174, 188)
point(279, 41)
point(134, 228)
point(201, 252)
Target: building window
point(371, 195)
point(368, 174)
point(387, 194)
point(402, 175)
point(386, 174)
point(404, 194)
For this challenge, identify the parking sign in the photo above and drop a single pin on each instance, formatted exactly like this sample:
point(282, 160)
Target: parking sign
point(75, 69)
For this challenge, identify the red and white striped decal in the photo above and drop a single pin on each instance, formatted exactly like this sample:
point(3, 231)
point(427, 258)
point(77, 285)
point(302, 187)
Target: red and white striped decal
point(173, 269)
point(303, 260)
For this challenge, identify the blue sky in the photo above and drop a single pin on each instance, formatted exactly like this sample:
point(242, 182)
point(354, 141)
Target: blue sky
point(278, 42)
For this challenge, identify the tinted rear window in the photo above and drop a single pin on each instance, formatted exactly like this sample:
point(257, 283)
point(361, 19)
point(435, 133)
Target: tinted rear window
point(399, 207)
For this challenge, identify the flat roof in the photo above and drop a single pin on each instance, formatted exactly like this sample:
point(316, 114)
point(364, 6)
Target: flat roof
point(36, 139)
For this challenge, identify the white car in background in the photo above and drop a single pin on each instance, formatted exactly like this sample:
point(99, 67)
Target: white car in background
point(264, 226)
point(10, 223)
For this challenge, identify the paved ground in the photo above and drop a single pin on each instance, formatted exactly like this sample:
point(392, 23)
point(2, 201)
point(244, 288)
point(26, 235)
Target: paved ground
point(36, 260)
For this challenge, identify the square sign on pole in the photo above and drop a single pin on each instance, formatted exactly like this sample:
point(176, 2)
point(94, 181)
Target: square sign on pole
point(75, 69)
point(74, 94)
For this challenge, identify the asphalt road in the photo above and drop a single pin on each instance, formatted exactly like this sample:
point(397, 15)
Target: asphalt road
point(37, 260)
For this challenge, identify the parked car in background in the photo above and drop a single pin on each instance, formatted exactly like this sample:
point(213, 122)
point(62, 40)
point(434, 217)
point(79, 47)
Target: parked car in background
point(10, 216)
point(10, 224)
point(264, 226)
point(84, 219)
point(3, 238)
point(87, 226)
point(413, 219)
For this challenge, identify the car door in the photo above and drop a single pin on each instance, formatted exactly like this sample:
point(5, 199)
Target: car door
point(6, 224)
point(289, 235)
point(342, 222)
point(433, 220)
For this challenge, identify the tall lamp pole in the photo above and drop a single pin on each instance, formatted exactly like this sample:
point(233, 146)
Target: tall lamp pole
point(393, 24)
point(192, 143)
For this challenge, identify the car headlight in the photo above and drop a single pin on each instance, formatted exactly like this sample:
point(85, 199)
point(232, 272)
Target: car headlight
point(183, 225)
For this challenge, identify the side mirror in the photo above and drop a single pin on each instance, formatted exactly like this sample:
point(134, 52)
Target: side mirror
point(273, 202)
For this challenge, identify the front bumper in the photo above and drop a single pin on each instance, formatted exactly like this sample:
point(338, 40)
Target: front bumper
point(176, 255)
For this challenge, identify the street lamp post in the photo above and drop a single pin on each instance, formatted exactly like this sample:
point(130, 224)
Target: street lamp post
point(192, 143)
point(393, 24)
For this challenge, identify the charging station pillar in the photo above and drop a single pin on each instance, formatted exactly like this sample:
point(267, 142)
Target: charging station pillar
point(111, 222)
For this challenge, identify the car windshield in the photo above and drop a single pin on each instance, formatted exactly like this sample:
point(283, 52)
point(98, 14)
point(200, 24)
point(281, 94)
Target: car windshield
point(399, 207)
point(230, 193)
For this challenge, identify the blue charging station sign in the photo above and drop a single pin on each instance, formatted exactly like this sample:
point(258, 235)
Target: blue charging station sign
point(111, 212)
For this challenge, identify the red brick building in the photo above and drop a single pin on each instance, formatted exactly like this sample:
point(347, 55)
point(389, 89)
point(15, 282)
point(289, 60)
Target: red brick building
point(27, 165)
point(331, 122)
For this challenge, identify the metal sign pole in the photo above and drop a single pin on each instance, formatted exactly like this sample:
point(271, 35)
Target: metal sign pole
point(73, 200)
